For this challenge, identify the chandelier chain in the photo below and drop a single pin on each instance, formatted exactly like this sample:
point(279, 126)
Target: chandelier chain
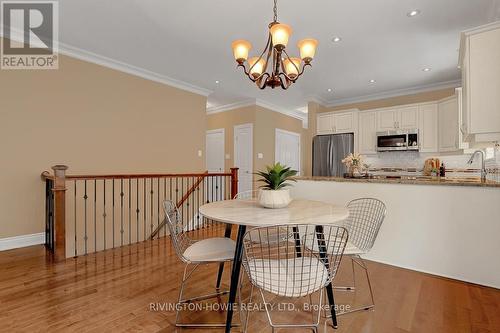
point(275, 9)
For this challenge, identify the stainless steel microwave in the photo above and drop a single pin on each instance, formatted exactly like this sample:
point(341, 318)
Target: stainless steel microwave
point(399, 140)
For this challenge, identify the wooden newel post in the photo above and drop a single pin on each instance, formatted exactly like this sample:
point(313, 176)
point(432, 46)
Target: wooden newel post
point(59, 190)
point(234, 182)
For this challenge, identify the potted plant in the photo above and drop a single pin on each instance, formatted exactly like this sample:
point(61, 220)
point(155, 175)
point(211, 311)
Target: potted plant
point(273, 193)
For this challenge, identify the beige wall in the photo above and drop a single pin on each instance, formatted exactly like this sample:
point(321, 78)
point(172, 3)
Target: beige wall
point(265, 122)
point(95, 120)
point(394, 101)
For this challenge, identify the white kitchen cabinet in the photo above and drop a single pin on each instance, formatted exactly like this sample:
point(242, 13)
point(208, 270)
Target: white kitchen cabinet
point(448, 124)
point(428, 127)
point(408, 117)
point(337, 123)
point(462, 134)
point(398, 118)
point(480, 63)
point(324, 123)
point(387, 119)
point(367, 132)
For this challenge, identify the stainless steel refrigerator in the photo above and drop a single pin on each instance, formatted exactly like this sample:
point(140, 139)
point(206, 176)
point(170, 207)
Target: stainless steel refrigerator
point(328, 152)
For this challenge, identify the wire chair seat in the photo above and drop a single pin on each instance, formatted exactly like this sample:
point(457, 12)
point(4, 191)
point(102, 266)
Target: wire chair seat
point(294, 277)
point(214, 249)
point(350, 248)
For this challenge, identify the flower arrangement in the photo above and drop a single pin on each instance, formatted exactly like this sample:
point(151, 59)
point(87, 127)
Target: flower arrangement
point(353, 162)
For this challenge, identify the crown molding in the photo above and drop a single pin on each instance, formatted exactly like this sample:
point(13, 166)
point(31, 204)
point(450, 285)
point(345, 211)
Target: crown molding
point(396, 93)
point(97, 59)
point(77, 53)
point(477, 30)
point(231, 106)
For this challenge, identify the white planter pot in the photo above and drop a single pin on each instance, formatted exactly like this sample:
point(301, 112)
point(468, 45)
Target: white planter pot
point(274, 198)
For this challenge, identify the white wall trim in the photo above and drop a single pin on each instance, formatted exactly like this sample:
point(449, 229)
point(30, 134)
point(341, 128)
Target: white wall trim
point(258, 102)
point(21, 241)
point(120, 66)
point(231, 106)
point(396, 93)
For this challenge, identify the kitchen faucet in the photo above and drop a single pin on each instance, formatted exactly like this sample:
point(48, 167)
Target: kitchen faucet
point(483, 167)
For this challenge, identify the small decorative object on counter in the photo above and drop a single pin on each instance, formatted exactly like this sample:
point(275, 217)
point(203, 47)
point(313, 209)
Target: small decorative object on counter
point(353, 162)
point(274, 194)
point(430, 165)
point(442, 170)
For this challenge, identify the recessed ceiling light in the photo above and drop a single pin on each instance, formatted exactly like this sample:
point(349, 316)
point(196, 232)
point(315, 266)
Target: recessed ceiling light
point(336, 39)
point(329, 89)
point(373, 81)
point(413, 13)
point(427, 69)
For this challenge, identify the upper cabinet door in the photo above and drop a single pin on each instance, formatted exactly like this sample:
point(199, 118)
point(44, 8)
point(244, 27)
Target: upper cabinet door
point(324, 124)
point(344, 122)
point(484, 82)
point(408, 118)
point(428, 128)
point(387, 120)
point(368, 132)
point(448, 125)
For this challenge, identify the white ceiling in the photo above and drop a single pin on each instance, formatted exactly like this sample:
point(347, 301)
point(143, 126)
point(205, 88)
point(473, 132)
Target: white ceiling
point(189, 41)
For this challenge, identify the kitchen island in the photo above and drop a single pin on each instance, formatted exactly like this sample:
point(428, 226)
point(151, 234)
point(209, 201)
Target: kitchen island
point(445, 227)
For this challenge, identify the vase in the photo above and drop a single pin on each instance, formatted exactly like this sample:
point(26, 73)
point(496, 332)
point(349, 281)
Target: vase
point(274, 198)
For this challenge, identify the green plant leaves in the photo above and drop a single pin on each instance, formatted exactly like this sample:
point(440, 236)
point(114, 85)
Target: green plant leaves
point(276, 176)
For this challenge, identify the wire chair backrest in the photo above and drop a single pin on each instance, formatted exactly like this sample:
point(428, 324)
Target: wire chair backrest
point(365, 218)
point(247, 195)
point(180, 239)
point(275, 263)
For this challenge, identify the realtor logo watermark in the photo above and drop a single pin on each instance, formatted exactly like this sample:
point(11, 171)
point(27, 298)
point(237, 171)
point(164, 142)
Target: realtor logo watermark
point(30, 35)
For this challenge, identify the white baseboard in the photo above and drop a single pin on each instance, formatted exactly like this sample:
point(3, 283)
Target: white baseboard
point(21, 241)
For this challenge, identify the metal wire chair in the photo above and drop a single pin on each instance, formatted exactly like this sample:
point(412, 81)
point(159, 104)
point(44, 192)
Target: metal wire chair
point(195, 253)
point(275, 265)
point(366, 216)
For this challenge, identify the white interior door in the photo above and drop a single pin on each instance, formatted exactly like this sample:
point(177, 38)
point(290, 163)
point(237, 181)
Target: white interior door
point(215, 150)
point(287, 149)
point(215, 163)
point(243, 155)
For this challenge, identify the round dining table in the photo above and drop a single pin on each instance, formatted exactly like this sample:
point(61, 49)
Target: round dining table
point(247, 212)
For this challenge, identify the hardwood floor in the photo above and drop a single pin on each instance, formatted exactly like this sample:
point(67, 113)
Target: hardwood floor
point(119, 290)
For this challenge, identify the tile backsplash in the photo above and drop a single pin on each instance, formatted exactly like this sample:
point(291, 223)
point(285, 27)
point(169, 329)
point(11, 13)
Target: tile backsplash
point(455, 164)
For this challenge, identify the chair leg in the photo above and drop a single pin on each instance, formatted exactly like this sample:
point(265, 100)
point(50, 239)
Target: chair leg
point(180, 301)
point(360, 262)
point(248, 310)
point(349, 288)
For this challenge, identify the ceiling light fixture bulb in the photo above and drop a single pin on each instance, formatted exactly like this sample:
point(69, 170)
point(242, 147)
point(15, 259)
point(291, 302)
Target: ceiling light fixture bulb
point(217, 81)
point(413, 13)
point(373, 81)
point(336, 39)
point(329, 89)
point(426, 69)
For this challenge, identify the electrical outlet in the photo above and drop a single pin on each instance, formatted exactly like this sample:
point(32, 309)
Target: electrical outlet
point(260, 156)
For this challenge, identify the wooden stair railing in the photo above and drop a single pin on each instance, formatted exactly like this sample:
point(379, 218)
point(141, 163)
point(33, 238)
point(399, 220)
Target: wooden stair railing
point(91, 213)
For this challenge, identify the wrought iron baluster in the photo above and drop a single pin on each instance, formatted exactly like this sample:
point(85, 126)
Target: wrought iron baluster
point(95, 215)
point(164, 198)
point(158, 203)
point(121, 212)
point(85, 197)
point(137, 208)
point(129, 211)
point(104, 211)
point(151, 201)
point(113, 195)
point(144, 207)
point(75, 218)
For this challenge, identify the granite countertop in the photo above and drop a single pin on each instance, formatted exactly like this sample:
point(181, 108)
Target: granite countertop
point(421, 180)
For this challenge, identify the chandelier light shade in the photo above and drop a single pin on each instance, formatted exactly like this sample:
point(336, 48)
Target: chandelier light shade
point(240, 49)
point(274, 67)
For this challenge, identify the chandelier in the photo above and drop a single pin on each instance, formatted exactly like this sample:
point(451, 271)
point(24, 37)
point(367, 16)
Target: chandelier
point(284, 70)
